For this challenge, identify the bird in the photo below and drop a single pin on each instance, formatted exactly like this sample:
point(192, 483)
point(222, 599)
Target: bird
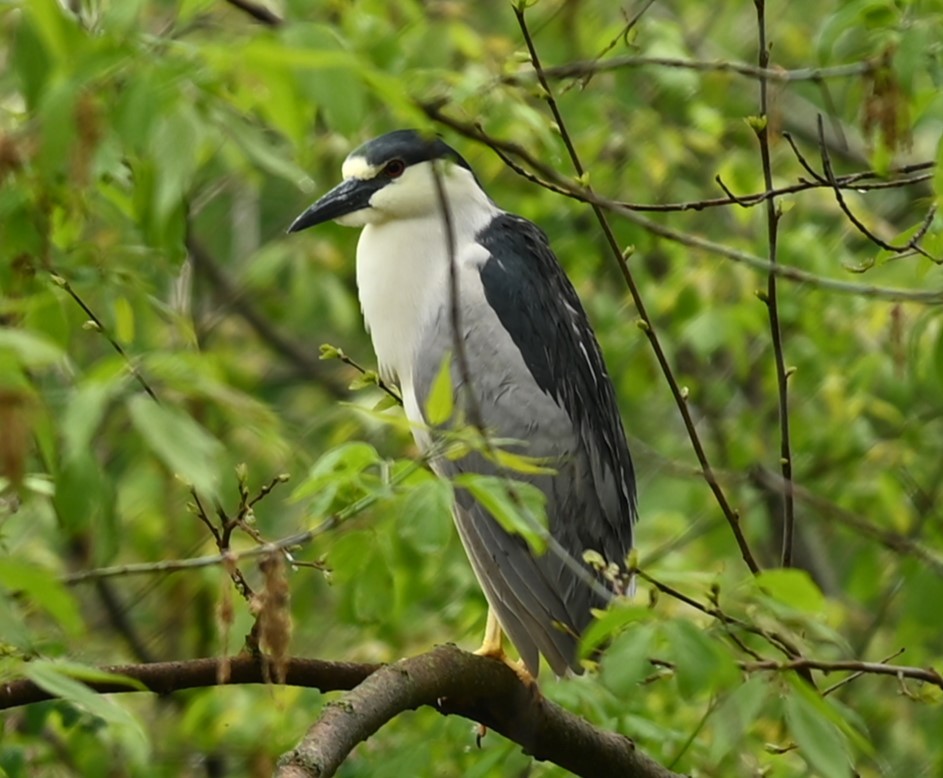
point(531, 369)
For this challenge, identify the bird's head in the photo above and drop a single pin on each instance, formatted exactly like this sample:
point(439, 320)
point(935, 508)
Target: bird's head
point(392, 177)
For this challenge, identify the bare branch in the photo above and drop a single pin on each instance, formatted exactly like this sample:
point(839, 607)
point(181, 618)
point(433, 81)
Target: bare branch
point(238, 579)
point(592, 67)
point(258, 12)
point(924, 674)
point(732, 516)
point(571, 189)
point(167, 677)
point(771, 298)
point(911, 245)
point(778, 641)
point(482, 689)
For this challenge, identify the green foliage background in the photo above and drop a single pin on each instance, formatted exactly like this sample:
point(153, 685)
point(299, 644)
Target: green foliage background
point(122, 122)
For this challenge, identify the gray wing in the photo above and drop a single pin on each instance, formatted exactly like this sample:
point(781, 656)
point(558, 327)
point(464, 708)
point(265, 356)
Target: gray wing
point(538, 376)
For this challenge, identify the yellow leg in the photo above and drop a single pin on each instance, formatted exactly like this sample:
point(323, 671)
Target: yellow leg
point(493, 644)
point(493, 647)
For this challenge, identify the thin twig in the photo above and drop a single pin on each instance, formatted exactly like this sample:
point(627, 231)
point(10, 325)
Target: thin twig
point(911, 245)
point(63, 283)
point(854, 676)
point(778, 641)
point(925, 674)
point(592, 67)
point(622, 35)
point(848, 181)
point(196, 563)
point(238, 579)
point(803, 161)
point(388, 389)
point(772, 300)
point(473, 408)
point(731, 515)
point(587, 195)
point(288, 542)
point(258, 12)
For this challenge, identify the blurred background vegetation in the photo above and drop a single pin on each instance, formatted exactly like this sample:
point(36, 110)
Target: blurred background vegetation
point(152, 153)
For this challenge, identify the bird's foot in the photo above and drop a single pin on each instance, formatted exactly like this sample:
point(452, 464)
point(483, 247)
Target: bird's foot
point(496, 651)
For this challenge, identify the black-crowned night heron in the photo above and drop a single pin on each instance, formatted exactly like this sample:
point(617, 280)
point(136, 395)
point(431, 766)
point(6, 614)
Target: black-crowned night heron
point(535, 371)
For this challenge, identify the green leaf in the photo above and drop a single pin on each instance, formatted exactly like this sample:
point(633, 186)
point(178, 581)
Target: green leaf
point(424, 514)
point(64, 680)
point(702, 664)
point(175, 143)
point(42, 588)
point(520, 508)
point(735, 715)
point(820, 742)
point(625, 663)
point(610, 623)
point(793, 587)
point(83, 415)
point(335, 469)
point(441, 400)
point(31, 349)
point(184, 447)
point(520, 463)
point(124, 320)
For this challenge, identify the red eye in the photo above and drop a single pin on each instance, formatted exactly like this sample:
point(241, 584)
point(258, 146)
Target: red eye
point(394, 168)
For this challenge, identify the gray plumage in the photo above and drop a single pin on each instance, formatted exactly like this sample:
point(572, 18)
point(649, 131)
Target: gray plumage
point(536, 373)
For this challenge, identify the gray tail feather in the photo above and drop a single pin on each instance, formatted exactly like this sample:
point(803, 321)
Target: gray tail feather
point(540, 603)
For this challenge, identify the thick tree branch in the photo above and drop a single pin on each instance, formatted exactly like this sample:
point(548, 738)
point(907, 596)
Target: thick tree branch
point(455, 682)
point(167, 677)
point(451, 681)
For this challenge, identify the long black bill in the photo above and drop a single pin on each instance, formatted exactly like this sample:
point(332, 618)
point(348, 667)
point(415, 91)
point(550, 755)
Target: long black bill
point(348, 196)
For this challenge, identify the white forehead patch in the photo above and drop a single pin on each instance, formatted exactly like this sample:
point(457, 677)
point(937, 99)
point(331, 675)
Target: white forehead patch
point(358, 167)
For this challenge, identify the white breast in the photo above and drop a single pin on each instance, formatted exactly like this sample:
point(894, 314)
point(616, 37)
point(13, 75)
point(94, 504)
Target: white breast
point(400, 275)
point(403, 282)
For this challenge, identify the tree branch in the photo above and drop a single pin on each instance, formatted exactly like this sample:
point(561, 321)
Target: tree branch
point(571, 189)
point(451, 681)
point(167, 677)
point(258, 12)
point(771, 297)
point(592, 67)
point(455, 682)
point(732, 516)
point(924, 674)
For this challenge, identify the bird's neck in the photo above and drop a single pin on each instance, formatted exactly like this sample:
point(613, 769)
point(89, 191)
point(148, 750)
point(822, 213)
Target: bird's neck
point(403, 280)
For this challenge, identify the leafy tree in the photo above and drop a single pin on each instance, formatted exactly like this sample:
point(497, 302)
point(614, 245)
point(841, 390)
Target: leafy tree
point(745, 197)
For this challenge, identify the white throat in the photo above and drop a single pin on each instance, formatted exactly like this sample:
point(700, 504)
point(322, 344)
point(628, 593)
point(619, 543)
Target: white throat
point(403, 271)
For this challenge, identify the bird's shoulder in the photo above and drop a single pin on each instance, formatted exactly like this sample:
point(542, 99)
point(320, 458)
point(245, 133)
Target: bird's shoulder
point(526, 287)
point(529, 292)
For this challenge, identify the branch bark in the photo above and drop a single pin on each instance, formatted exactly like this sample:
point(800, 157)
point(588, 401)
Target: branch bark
point(487, 691)
point(167, 677)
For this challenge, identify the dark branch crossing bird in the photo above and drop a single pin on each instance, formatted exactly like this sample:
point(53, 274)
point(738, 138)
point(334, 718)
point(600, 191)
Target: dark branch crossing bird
point(534, 371)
